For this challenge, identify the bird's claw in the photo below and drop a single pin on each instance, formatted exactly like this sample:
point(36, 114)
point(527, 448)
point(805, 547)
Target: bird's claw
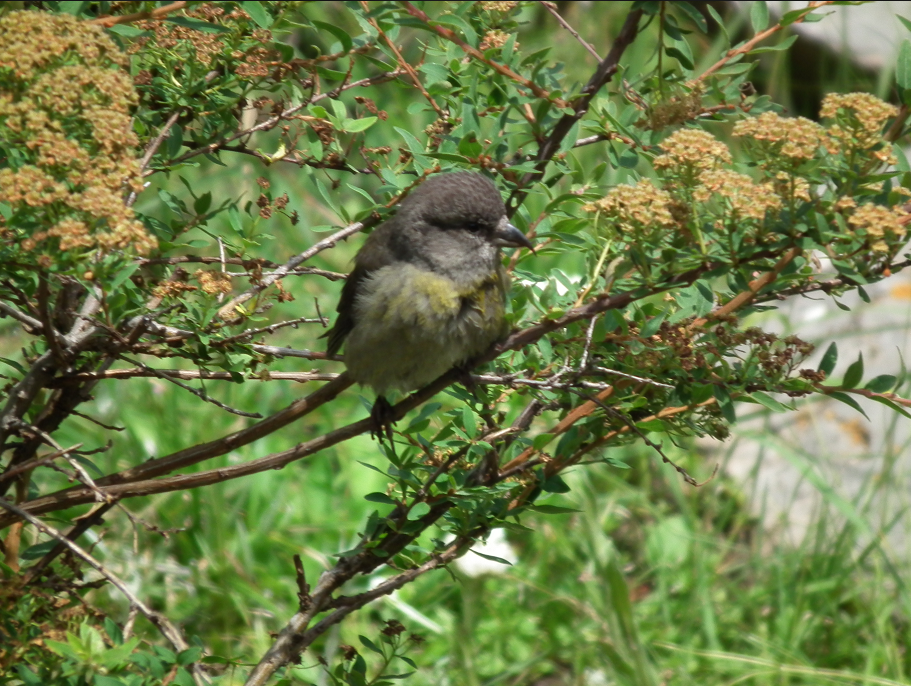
point(383, 419)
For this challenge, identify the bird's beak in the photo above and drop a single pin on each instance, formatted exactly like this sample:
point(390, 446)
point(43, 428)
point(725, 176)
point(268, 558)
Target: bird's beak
point(508, 235)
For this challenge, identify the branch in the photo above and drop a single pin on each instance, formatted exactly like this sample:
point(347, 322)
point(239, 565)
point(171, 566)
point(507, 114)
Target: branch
point(552, 8)
point(227, 311)
point(187, 375)
point(758, 38)
point(36, 327)
point(451, 35)
point(157, 13)
point(168, 630)
point(273, 121)
point(580, 104)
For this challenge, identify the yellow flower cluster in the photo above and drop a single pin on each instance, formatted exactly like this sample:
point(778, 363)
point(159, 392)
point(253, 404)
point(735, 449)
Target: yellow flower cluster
point(693, 149)
point(745, 198)
point(66, 105)
point(640, 208)
point(859, 122)
point(881, 224)
point(495, 38)
point(794, 138)
point(213, 282)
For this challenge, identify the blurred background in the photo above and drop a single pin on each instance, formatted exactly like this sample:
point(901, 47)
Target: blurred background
point(788, 568)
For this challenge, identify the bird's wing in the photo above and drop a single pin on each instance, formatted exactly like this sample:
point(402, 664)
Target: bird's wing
point(378, 252)
point(345, 320)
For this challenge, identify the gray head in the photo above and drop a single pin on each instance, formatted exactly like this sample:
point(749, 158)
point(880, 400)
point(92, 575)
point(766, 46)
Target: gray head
point(452, 221)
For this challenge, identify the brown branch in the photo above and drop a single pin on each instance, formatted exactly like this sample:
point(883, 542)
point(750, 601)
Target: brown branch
point(227, 311)
point(154, 15)
point(451, 36)
point(580, 104)
point(187, 375)
point(403, 63)
point(275, 120)
point(35, 326)
point(552, 8)
point(758, 38)
point(168, 630)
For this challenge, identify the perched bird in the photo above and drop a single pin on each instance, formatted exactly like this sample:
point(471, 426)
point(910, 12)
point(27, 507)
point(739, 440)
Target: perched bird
point(428, 289)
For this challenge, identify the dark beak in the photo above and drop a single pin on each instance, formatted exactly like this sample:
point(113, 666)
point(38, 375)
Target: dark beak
point(509, 236)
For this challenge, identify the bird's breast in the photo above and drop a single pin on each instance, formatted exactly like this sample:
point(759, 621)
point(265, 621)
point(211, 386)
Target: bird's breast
point(412, 324)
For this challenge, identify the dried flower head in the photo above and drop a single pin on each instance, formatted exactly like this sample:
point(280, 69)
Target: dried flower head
point(742, 196)
point(496, 38)
point(859, 120)
point(692, 151)
point(787, 139)
point(213, 282)
point(66, 105)
point(883, 226)
point(641, 209)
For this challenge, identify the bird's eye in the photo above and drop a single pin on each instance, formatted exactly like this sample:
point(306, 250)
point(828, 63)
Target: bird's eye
point(474, 225)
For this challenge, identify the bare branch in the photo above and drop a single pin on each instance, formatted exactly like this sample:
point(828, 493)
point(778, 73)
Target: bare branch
point(168, 630)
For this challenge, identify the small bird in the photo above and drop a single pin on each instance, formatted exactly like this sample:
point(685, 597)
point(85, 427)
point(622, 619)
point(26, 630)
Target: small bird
point(428, 288)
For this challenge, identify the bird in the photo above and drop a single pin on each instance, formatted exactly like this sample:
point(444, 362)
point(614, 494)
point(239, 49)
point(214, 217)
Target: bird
point(428, 289)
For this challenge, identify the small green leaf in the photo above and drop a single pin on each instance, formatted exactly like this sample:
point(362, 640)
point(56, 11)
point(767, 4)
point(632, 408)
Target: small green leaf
point(553, 509)
point(903, 66)
point(369, 645)
point(493, 558)
point(854, 373)
point(768, 401)
point(418, 511)
point(258, 13)
point(759, 16)
point(15, 365)
point(882, 383)
point(358, 125)
point(555, 484)
point(541, 440)
point(829, 360)
point(847, 400)
point(380, 498)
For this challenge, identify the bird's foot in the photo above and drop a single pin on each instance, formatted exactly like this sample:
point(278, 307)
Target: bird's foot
point(383, 419)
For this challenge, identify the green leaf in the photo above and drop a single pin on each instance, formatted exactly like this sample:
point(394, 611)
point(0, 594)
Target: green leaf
point(555, 484)
point(358, 125)
point(693, 13)
point(492, 558)
point(892, 405)
point(541, 440)
point(197, 25)
point(122, 275)
point(783, 45)
point(259, 15)
point(37, 550)
point(369, 645)
point(15, 365)
point(854, 373)
point(380, 498)
point(768, 401)
point(882, 383)
point(847, 400)
point(127, 31)
point(903, 66)
point(418, 511)
point(759, 16)
point(829, 360)
point(553, 509)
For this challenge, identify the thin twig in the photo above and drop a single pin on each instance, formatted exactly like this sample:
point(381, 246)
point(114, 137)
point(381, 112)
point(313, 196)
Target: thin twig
point(168, 630)
point(153, 15)
point(202, 395)
point(552, 8)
